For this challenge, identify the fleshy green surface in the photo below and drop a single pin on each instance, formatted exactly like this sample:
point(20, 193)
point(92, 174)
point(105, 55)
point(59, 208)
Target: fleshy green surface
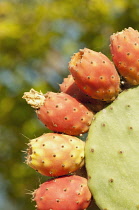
point(112, 154)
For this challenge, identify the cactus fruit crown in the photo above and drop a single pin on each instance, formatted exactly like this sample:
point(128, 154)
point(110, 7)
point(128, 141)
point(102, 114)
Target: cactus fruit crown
point(34, 98)
point(111, 150)
point(77, 58)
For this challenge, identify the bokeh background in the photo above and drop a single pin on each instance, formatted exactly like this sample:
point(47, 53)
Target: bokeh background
point(37, 39)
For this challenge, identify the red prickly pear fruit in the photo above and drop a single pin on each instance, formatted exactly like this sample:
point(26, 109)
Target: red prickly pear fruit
point(124, 47)
point(69, 86)
point(55, 154)
point(60, 112)
point(95, 74)
point(63, 193)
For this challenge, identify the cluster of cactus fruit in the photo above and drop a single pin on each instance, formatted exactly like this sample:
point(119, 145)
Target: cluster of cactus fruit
point(101, 98)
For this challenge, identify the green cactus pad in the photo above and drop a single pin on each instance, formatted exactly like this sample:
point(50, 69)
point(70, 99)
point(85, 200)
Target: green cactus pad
point(112, 154)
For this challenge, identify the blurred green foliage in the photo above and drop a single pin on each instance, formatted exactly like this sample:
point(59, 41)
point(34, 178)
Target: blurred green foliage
point(37, 38)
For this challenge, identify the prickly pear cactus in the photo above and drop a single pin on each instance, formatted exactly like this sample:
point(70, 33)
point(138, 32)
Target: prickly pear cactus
point(112, 154)
point(112, 145)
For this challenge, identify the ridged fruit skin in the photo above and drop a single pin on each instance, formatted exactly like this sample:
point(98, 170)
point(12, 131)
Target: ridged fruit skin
point(55, 154)
point(70, 87)
point(95, 74)
point(63, 113)
point(64, 193)
point(124, 47)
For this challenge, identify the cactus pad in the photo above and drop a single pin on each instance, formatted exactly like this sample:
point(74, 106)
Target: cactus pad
point(112, 154)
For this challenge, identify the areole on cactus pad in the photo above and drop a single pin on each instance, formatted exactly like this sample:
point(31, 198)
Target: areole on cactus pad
point(112, 154)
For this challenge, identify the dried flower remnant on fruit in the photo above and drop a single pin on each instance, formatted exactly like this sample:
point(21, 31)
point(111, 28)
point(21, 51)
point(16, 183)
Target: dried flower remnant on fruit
point(34, 98)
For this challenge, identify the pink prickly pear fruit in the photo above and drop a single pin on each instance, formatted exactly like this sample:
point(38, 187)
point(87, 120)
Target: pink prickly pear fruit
point(55, 154)
point(69, 86)
point(60, 112)
point(63, 193)
point(95, 74)
point(124, 47)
